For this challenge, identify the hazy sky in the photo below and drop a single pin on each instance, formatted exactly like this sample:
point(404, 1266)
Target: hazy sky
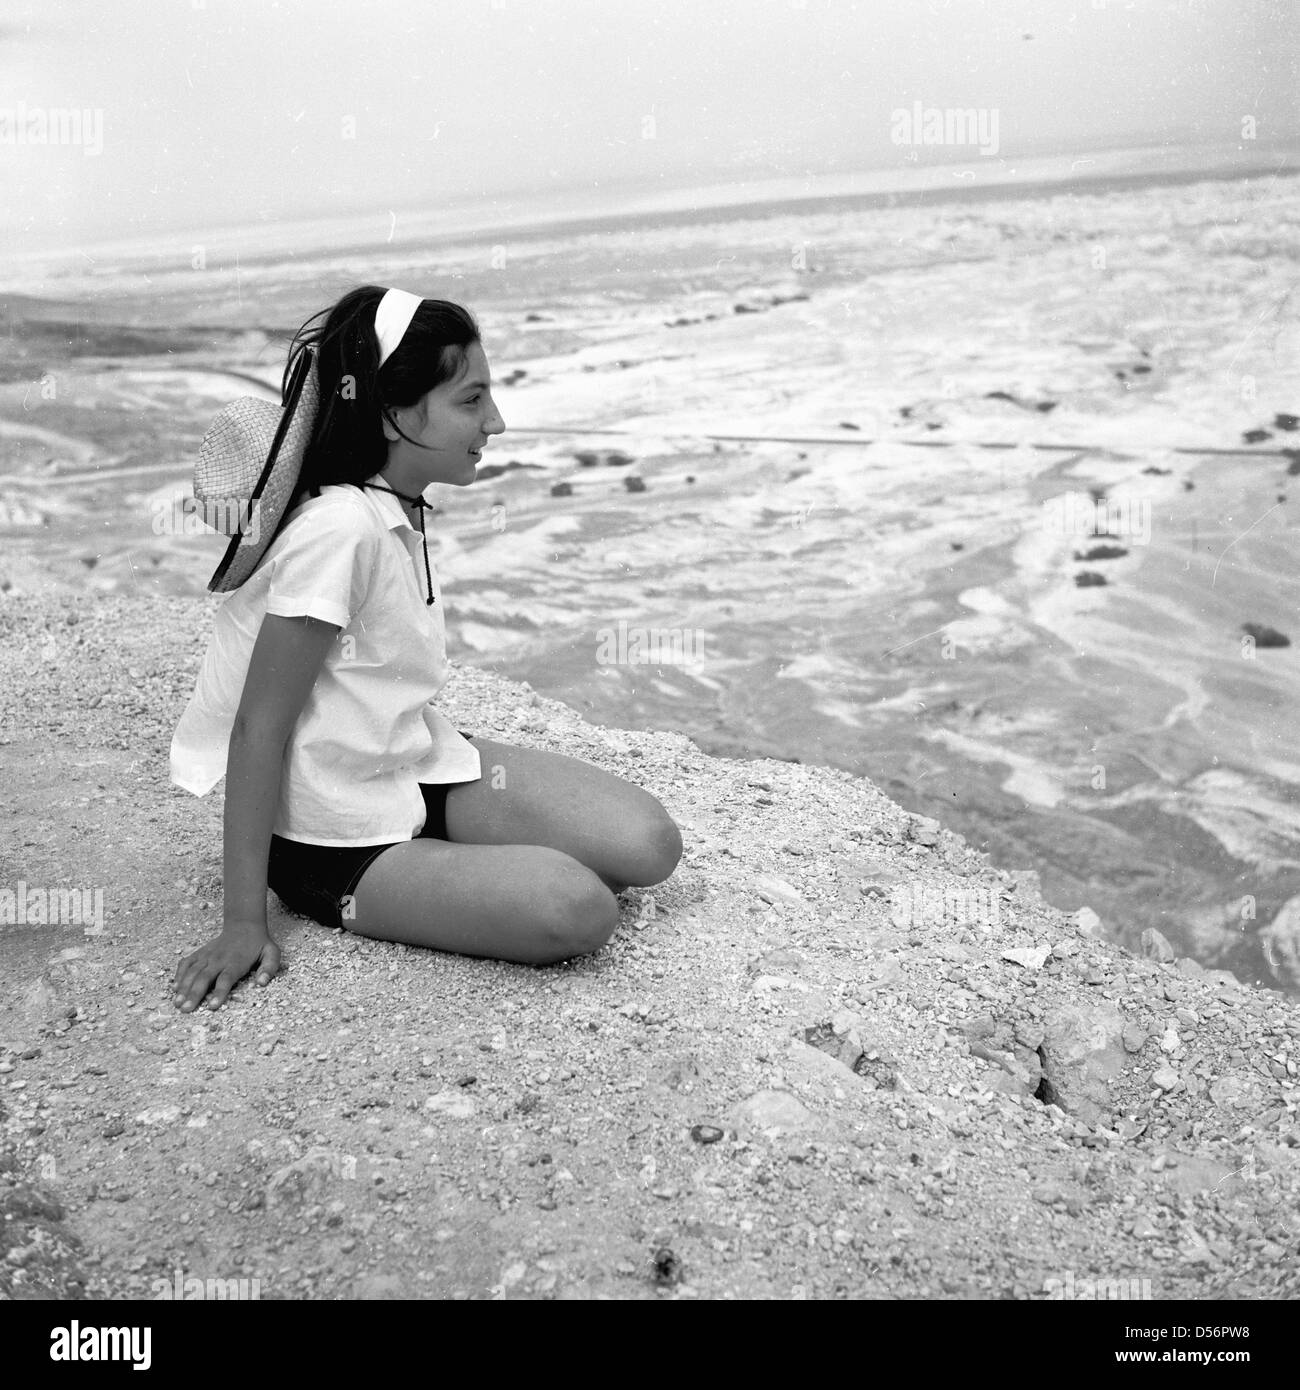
point(218, 111)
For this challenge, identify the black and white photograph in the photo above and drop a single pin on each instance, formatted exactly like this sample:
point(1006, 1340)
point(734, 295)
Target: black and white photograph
point(650, 652)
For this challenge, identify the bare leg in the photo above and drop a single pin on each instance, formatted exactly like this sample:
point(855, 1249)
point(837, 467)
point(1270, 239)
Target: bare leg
point(536, 850)
point(530, 797)
point(523, 903)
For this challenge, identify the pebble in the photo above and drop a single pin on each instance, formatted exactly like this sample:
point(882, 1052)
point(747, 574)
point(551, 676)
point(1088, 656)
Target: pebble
point(1166, 1078)
point(706, 1134)
point(773, 890)
point(455, 1103)
point(1155, 945)
point(777, 963)
point(1087, 923)
point(772, 1110)
point(923, 829)
point(1030, 957)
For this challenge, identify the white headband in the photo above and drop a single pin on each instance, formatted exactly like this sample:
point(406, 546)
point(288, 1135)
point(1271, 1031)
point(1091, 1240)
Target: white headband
point(392, 319)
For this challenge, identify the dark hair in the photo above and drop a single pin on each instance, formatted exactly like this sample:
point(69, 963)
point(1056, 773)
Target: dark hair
point(347, 443)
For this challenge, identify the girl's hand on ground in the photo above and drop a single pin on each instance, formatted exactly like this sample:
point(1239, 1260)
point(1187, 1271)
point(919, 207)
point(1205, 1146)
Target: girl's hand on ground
point(221, 964)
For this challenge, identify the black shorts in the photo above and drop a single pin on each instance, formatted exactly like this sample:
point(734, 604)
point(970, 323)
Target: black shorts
point(314, 879)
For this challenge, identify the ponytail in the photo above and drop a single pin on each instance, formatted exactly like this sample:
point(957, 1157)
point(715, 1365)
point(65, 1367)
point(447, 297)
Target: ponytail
point(347, 443)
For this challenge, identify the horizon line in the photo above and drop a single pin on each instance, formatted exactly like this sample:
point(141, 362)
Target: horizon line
point(1253, 163)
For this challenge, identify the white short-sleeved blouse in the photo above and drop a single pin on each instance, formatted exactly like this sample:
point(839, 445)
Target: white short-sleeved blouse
point(369, 732)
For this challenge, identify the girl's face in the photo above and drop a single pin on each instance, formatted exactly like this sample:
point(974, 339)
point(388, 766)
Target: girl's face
point(452, 422)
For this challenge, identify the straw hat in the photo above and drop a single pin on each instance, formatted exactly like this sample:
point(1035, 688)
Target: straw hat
point(248, 467)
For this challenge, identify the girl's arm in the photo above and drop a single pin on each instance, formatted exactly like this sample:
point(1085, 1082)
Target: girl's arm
point(286, 659)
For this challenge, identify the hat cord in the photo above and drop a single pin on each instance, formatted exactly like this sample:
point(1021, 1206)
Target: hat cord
point(419, 502)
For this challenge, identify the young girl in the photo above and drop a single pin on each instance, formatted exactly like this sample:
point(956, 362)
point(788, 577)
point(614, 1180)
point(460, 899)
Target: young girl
point(347, 791)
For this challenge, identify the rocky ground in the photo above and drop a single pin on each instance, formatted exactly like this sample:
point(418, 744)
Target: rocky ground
point(836, 1055)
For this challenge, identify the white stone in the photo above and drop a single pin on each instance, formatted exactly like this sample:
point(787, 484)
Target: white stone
point(771, 1111)
point(1030, 957)
point(453, 1103)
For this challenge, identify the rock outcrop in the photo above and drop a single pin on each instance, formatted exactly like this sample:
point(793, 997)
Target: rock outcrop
point(837, 1054)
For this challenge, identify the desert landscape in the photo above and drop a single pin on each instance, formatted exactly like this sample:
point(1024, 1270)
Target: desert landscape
point(982, 499)
point(928, 559)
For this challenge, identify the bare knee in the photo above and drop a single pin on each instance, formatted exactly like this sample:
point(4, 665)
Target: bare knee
point(659, 847)
point(577, 912)
point(668, 847)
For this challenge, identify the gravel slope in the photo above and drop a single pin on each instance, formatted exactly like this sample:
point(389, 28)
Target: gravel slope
point(778, 1080)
